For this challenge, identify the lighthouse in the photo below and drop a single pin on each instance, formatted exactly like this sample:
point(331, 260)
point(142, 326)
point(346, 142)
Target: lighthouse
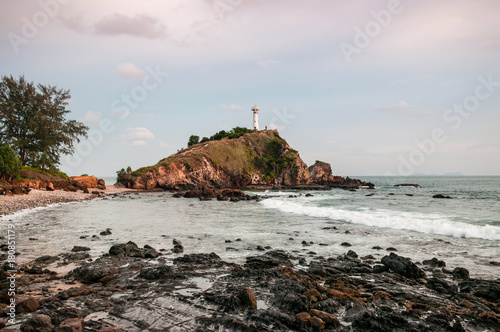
point(255, 111)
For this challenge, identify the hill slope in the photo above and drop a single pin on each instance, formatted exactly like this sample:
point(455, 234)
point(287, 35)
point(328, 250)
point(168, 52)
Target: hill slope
point(255, 159)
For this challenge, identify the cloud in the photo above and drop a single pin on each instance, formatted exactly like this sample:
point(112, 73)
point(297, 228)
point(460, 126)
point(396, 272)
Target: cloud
point(137, 135)
point(143, 25)
point(164, 145)
point(232, 107)
point(403, 107)
point(92, 117)
point(130, 70)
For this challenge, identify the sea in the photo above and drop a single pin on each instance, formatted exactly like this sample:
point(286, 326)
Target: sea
point(464, 230)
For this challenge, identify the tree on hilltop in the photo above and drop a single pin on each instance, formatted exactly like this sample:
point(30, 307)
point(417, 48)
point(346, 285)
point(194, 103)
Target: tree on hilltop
point(33, 121)
point(193, 139)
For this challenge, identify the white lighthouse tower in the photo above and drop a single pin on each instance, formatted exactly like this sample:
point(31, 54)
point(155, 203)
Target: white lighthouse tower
point(255, 111)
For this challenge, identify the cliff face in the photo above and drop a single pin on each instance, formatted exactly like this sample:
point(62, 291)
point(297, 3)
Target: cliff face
point(256, 159)
point(321, 173)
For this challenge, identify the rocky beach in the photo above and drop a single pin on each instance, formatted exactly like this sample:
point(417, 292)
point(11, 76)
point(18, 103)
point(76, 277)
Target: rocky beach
point(133, 288)
point(40, 198)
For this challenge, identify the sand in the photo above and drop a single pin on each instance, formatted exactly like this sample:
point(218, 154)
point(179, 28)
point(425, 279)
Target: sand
point(38, 198)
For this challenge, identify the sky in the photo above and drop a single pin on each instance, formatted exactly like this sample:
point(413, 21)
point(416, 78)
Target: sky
point(371, 87)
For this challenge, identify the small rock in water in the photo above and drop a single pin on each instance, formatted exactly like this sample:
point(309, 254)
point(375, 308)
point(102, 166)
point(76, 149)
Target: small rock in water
point(106, 232)
point(391, 249)
point(346, 244)
point(460, 273)
point(377, 248)
point(352, 254)
point(440, 196)
point(434, 262)
point(80, 248)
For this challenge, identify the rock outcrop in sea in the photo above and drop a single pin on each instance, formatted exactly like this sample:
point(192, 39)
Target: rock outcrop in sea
point(255, 160)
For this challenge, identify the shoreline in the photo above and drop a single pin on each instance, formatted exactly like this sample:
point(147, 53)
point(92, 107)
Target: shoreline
point(42, 198)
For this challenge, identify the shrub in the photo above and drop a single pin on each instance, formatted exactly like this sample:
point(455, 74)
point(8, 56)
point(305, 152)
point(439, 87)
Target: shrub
point(9, 163)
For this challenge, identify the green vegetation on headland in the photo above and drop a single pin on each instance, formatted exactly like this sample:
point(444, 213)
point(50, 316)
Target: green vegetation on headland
point(236, 132)
point(34, 131)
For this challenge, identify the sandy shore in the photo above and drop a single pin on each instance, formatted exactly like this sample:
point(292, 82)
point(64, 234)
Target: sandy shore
point(37, 198)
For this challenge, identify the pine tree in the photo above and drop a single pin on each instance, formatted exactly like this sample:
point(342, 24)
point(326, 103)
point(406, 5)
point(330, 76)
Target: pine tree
point(33, 121)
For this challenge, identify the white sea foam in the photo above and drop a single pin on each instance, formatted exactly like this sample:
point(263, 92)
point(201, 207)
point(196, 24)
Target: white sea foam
point(419, 222)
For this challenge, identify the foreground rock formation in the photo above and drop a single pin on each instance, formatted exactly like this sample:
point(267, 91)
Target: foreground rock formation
point(138, 289)
point(255, 160)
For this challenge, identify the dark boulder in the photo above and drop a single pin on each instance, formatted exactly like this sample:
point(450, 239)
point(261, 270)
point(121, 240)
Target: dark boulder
point(460, 273)
point(268, 260)
point(487, 289)
point(80, 248)
point(434, 263)
point(154, 273)
point(403, 266)
point(37, 323)
point(205, 259)
point(93, 274)
point(440, 196)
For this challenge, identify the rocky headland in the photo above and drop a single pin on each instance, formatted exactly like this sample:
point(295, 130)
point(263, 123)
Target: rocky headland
point(256, 160)
point(133, 288)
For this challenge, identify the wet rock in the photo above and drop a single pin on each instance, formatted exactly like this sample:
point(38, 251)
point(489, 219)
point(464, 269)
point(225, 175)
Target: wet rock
point(434, 263)
point(408, 185)
point(268, 260)
point(205, 259)
point(313, 294)
point(487, 289)
point(303, 316)
point(441, 286)
point(92, 274)
point(403, 266)
point(346, 244)
point(377, 248)
point(391, 249)
point(247, 298)
point(71, 325)
point(75, 256)
point(437, 273)
point(130, 249)
point(154, 273)
point(440, 196)
point(380, 269)
point(317, 323)
point(80, 248)
point(329, 319)
point(352, 254)
point(37, 323)
point(309, 195)
point(27, 305)
point(106, 232)
point(460, 273)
